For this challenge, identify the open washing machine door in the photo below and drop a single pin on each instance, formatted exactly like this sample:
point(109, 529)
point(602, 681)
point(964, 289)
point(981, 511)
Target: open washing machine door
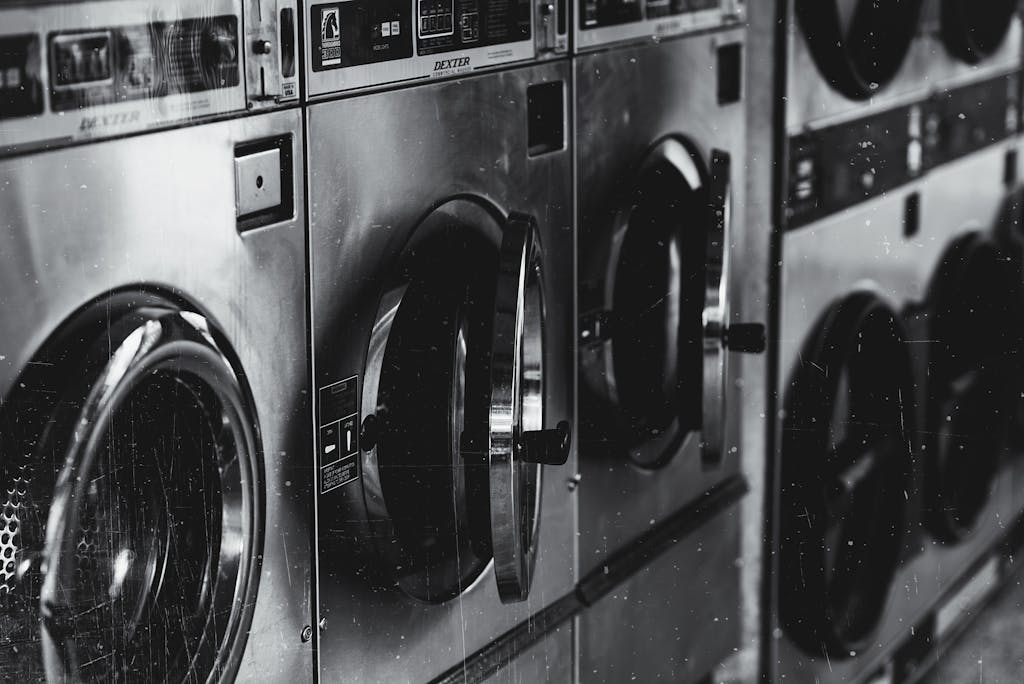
point(131, 517)
point(973, 31)
point(455, 381)
point(859, 45)
point(654, 352)
point(976, 327)
point(846, 463)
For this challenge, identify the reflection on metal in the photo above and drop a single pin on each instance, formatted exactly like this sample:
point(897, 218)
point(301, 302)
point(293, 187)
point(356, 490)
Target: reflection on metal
point(149, 416)
point(456, 313)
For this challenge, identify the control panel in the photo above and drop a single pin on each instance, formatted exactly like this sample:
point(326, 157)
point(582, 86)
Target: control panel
point(99, 69)
point(603, 22)
point(836, 167)
point(366, 44)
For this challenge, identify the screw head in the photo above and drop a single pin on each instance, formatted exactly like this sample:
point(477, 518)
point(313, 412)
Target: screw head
point(307, 634)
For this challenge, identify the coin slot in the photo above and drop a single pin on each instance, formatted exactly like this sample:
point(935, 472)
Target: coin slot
point(545, 112)
point(730, 73)
point(911, 215)
point(288, 42)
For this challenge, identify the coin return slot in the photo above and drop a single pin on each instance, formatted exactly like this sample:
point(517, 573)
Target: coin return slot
point(263, 183)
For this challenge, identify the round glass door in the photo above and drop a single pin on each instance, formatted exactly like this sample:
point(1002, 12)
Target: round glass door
point(455, 383)
point(131, 521)
point(973, 31)
point(976, 327)
point(846, 467)
point(859, 45)
point(647, 362)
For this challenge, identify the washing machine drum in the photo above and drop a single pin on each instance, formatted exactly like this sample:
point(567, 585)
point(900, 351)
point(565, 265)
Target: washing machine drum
point(976, 331)
point(130, 516)
point(859, 45)
point(846, 470)
point(973, 31)
point(653, 354)
point(455, 373)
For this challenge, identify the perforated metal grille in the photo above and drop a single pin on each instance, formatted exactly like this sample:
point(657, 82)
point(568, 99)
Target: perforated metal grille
point(14, 510)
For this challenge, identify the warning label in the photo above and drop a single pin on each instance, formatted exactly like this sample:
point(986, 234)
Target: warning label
point(338, 438)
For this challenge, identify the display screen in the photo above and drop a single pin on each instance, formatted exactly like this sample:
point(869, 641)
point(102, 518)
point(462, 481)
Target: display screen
point(81, 59)
point(125, 63)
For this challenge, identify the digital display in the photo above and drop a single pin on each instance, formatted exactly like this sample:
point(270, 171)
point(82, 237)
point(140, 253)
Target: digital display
point(81, 59)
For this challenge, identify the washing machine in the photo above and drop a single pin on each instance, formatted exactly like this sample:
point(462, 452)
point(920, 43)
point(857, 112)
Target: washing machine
point(891, 487)
point(660, 130)
point(363, 45)
point(441, 251)
point(155, 484)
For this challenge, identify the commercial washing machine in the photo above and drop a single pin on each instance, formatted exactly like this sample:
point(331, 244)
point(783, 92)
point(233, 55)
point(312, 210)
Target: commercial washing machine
point(891, 492)
point(660, 157)
point(155, 484)
point(441, 250)
point(360, 45)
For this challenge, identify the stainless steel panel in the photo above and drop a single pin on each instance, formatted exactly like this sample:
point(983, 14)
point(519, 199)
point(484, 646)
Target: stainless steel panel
point(417, 67)
point(551, 660)
point(378, 164)
point(675, 620)
point(77, 223)
point(728, 13)
point(626, 100)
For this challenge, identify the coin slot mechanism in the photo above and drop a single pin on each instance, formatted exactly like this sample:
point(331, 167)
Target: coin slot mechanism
point(288, 42)
point(264, 187)
point(730, 74)
point(545, 112)
point(911, 215)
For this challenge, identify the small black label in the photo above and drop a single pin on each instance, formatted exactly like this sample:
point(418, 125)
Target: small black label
point(359, 32)
point(338, 438)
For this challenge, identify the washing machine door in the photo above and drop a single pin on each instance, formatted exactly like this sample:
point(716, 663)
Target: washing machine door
point(131, 519)
point(973, 31)
point(976, 330)
point(846, 468)
point(653, 352)
point(859, 45)
point(455, 373)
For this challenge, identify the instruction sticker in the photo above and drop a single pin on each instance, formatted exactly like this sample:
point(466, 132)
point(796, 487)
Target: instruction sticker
point(338, 438)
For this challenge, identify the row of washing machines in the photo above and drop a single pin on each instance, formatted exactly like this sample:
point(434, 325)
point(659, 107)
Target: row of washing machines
point(421, 341)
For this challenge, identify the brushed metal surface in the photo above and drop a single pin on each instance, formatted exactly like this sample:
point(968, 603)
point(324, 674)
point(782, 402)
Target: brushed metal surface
point(626, 101)
point(551, 660)
point(864, 248)
point(378, 165)
point(79, 222)
point(674, 620)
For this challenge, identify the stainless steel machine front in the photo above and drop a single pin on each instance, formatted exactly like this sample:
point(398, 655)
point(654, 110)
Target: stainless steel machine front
point(441, 262)
point(660, 158)
point(90, 70)
point(155, 520)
